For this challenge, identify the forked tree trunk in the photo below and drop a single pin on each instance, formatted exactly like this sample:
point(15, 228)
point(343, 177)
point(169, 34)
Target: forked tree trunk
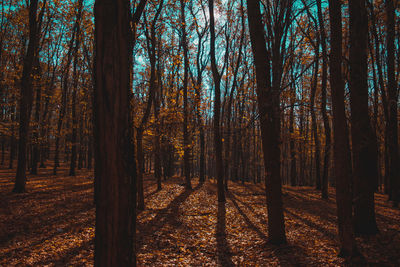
point(217, 108)
point(269, 109)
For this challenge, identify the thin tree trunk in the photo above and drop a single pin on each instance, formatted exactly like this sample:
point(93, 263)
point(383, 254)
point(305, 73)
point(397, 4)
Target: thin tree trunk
point(74, 106)
point(293, 164)
point(327, 127)
point(65, 87)
point(186, 141)
point(217, 108)
point(314, 119)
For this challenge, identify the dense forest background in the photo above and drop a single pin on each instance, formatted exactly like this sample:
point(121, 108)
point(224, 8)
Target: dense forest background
point(293, 100)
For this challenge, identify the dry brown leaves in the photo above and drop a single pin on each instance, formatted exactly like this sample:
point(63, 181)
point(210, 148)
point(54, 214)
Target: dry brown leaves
point(53, 224)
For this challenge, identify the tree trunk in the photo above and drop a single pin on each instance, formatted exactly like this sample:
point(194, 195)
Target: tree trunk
point(341, 147)
point(36, 151)
point(327, 127)
point(73, 106)
point(363, 137)
point(293, 164)
point(314, 119)
point(26, 99)
point(269, 108)
point(186, 141)
point(217, 108)
point(394, 178)
point(65, 87)
point(115, 167)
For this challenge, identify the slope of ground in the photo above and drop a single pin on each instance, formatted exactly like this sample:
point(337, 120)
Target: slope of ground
point(53, 224)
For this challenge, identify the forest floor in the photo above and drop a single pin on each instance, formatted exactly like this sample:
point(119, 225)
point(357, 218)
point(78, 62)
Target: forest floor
point(53, 224)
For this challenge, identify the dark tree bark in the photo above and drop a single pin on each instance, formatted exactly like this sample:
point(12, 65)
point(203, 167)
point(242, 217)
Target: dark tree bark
point(200, 67)
point(313, 117)
point(363, 137)
point(75, 77)
point(342, 170)
point(393, 143)
point(26, 98)
point(35, 145)
point(115, 167)
point(157, 141)
point(327, 127)
point(217, 108)
point(269, 110)
point(37, 72)
point(293, 164)
point(186, 138)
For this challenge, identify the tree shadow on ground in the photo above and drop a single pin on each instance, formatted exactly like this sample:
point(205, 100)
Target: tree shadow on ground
point(223, 251)
point(66, 256)
point(251, 225)
point(168, 215)
point(312, 225)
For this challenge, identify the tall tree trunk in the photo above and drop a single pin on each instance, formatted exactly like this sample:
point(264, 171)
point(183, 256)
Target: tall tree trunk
point(327, 127)
point(74, 106)
point(26, 98)
point(393, 102)
point(293, 164)
point(269, 109)
point(35, 145)
point(217, 108)
point(363, 137)
point(341, 147)
point(314, 119)
point(157, 142)
point(186, 139)
point(115, 167)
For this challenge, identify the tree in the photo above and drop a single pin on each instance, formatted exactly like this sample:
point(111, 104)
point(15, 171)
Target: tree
point(327, 127)
point(393, 102)
point(363, 137)
point(269, 109)
point(115, 167)
point(186, 144)
point(26, 98)
point(341, 149)
point(65, 78)
point(74, 104)
point(217, 107)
